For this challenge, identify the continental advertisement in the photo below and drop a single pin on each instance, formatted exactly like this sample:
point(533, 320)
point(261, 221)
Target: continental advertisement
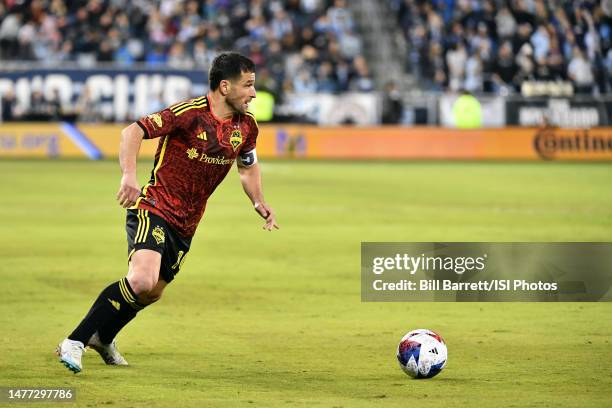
point(65, 140)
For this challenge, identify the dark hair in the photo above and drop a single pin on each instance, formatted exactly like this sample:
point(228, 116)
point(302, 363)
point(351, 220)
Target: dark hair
point(228, 65)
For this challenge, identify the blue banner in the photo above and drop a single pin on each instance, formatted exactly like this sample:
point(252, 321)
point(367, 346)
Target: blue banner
point(104, 94)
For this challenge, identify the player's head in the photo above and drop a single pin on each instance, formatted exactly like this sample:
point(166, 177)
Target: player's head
point(233, 76)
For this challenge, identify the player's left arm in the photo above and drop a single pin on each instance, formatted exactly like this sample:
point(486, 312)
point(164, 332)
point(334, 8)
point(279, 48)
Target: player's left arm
point(250, 177)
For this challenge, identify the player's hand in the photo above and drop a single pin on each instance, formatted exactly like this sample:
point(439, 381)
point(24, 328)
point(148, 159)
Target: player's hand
point(129, 191)
point(267, 213)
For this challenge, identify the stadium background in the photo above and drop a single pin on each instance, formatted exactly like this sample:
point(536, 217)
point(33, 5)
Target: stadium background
point(454, 121)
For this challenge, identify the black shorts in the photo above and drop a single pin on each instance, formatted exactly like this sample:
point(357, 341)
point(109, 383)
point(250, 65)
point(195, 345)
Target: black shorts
point(146, 230)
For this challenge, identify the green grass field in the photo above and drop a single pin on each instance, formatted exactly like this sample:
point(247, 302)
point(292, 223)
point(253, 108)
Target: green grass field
point(275, 319)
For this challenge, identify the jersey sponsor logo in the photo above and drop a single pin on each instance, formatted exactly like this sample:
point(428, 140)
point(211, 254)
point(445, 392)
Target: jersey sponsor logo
point(156, 118)
point(115, 304)
point(192, 153)
point(159, 235)
point(202, 136)
point(215, 160)
point(236, 139)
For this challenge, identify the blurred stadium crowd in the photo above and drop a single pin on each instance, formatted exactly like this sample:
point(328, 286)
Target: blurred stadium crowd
point(495, 45)
point(314, 46)
point(299, 45)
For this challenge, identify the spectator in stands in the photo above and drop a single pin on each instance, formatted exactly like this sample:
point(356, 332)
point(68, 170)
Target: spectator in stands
point(435, 24)
point(56, 110)
point(579, 71)
point(179, 58)
point(325, 80)
point(64, 53)
point(202, 55)
point(456, 59)
point(439, 80)
point(123, 55)
point(26, 38)
point(105, 52)
point(541, 42)
point(304, 83)
point(9, 33)
point(481, 42)
point(87, 107)
point(281, 24)
point(349, 45)
point(435, 64)
point(361, 80)
point(343, 75)
point(608, 70)
point(40, 109)
point(525, 64)
point(268, 83)
point(505, 68)
point(522, 37)
point(392, 106)
point(157, 56)
point(506, 24)
point(554, 59)
point(8, 106)
point(275, 60)
point(185, 34)
point(340, 17)
point(542, 34)
point(473, 73)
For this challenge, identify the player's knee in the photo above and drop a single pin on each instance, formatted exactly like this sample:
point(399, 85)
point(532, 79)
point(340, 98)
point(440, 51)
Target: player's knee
point(154, 295)
point(144, 271)
point(151, 297)
point(141, 281)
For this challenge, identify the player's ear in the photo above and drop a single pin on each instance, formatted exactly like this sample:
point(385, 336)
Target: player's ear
point(224, 86)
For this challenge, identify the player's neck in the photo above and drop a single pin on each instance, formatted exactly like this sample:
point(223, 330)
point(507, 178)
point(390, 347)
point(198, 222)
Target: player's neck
point(219, 107)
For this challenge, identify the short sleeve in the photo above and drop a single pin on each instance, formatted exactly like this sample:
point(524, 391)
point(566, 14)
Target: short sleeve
point(253, 132)
point(158, 124)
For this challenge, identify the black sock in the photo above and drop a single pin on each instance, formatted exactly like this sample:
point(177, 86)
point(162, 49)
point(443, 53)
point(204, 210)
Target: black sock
point(108, 332)
point(117, 299)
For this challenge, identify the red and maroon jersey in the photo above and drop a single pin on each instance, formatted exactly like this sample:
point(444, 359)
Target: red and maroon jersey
point(196, 151)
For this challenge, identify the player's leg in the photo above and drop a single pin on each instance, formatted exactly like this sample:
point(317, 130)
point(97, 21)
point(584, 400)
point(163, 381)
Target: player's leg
point(154, 295)
point(147, 249)
point(119, 300)
point(109, 331)
point(141, 274)
point(140, 277)
point(122, 296)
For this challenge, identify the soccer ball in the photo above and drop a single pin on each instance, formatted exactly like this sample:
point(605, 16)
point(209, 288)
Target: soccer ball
point(422, 353)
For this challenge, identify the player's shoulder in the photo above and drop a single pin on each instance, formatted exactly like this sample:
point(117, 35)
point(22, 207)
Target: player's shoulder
point(190, 106)
point(249, 117)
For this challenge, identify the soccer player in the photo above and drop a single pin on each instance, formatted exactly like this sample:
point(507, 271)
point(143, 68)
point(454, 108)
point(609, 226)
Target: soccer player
point(199, 141)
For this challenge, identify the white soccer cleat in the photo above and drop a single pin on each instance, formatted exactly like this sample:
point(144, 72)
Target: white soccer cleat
point(70, 353)
point(108, 352)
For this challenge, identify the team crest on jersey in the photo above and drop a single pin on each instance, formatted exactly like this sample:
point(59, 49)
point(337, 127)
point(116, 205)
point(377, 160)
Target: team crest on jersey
point(156, 118)
point(192, 153)
point(159, 234)
point(236, 139)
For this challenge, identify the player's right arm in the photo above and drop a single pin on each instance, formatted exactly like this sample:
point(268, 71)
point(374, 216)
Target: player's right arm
point(148, 127)
point(129, 190)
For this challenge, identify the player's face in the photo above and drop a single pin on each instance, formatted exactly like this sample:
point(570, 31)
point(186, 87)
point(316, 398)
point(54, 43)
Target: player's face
point(241, 92)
